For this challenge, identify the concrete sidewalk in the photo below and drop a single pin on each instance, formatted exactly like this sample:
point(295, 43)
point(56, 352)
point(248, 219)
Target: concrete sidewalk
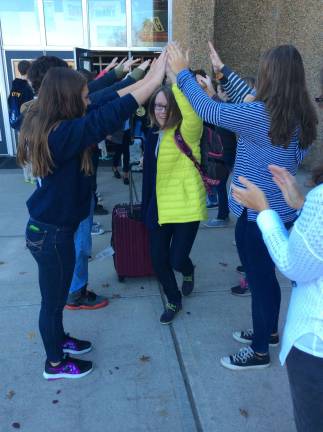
point(147, 377)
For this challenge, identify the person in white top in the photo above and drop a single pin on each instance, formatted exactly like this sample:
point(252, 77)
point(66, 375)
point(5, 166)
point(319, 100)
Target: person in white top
point(299, 257)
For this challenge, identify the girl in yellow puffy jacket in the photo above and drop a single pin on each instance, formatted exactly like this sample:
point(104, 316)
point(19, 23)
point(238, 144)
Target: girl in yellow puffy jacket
point(173, 193)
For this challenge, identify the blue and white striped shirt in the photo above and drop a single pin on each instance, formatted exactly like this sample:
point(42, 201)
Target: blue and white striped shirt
point(234, 86)
point(254, 149)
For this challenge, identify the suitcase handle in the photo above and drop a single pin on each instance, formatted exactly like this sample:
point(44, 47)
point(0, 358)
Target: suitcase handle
point(132, 188)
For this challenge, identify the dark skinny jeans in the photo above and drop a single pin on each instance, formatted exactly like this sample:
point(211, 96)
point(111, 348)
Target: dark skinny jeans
point(170, 247)
point(54, 251)
point(263, 283)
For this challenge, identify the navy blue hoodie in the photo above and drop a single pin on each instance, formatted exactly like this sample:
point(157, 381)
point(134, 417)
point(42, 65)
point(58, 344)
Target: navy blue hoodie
point(63, 198)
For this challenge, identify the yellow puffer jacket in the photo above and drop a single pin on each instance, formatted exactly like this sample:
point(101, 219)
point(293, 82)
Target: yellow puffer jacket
point(180, 191)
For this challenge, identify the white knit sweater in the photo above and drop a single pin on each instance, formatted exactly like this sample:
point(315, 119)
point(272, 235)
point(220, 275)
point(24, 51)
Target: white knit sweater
point(300, 258)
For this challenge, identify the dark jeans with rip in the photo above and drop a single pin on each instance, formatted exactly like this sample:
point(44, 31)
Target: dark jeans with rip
point(170, 247)
point(53, 249)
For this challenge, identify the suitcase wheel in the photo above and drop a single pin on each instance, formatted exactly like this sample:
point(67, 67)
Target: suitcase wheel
point(121, 278)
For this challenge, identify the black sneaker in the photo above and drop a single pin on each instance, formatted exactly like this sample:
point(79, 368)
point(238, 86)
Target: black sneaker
point(100, 210)
point(188, 284)
point(75, 346)
point(241, 290)
point(245, 336)
point(240, 269)
point(169, 314)
point(69, 367)
point(245, 359)
point(126, 181)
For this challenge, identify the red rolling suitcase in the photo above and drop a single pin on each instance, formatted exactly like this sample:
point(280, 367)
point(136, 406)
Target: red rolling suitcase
point(130, 238)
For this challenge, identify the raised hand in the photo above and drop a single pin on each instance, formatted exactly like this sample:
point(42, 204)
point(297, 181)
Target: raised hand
point(177, 60)
point(129, 63)
point(206, 84)
point(251, 197)
point(144, 65)
point(112, 64)
point(215, 58)
point(288, 185)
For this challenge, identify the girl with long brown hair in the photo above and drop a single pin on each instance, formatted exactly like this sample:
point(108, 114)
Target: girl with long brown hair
point(56, 134)
point(277, 128)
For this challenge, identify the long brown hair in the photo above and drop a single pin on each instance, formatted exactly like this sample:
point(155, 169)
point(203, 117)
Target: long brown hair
point(59, 98)
point(174, 116)
point(281, 86)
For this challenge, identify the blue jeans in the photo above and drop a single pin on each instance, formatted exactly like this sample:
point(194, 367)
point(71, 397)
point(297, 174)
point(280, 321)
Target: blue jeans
point(83, 247)
point(54, 251)
point(264, 286)
point(170, 247)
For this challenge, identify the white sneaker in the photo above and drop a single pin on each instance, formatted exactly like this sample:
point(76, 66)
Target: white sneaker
point(97, 229)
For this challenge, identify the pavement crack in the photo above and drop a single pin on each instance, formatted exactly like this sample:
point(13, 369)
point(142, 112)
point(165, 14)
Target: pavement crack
point(183, 371)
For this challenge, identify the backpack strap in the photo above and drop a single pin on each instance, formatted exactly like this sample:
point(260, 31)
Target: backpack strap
point(186, 149)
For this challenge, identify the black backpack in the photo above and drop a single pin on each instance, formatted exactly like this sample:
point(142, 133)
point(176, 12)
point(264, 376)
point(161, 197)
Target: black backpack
point(14, 103)
point(212, 154)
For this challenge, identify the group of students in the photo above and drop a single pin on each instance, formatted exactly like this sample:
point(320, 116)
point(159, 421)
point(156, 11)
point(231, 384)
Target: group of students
point(275, 126)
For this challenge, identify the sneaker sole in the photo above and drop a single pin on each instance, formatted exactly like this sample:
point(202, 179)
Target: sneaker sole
point(99, 306)
point(63, 375)
point(247, 342)
point(234, 367)
point(218, 226)
point(71, 351)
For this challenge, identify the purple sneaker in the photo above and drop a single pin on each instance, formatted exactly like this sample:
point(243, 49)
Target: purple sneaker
point(75, 346)
point(68, 368)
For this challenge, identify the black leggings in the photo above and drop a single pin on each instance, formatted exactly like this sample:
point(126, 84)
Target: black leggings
point(170, 247)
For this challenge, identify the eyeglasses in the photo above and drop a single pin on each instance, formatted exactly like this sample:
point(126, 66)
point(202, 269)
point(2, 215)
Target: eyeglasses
point(319, 99)
point(160, 108)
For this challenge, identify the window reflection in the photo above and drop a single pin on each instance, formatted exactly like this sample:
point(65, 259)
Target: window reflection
point(108, 23)
point(63, 21)
point(19, 22)
point(149, 22)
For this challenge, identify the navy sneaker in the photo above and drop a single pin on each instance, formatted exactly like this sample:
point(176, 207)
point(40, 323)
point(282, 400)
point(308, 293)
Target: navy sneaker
point(170, 312)
point(245, 359)
point(76, 346)
point(69, 367)
point(245, 336)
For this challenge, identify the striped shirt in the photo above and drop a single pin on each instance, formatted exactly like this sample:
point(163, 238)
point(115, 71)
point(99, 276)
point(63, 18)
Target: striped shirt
point(234, 86)
point(250, 121)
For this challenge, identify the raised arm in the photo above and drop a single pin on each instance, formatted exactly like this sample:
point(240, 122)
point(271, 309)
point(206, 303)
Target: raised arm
point(232, 84)
point(239, 118)
point(192, 125)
